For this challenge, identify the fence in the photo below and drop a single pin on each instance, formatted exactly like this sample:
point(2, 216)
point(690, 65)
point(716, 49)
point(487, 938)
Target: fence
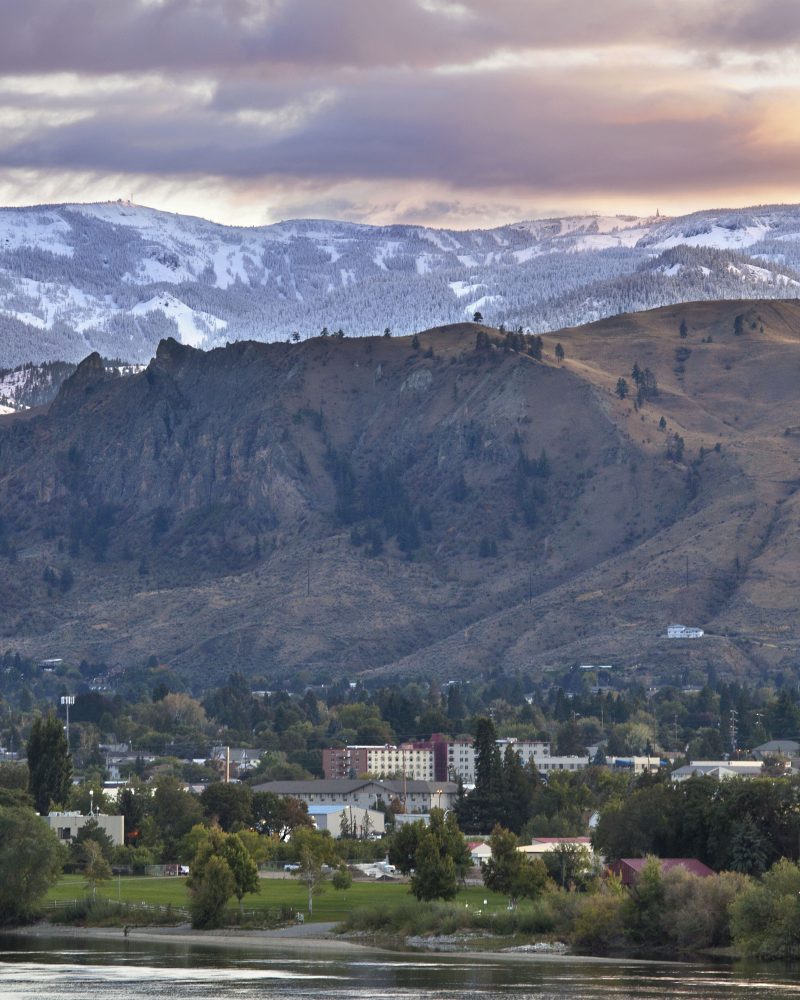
point(279, 915)
point(178, 911)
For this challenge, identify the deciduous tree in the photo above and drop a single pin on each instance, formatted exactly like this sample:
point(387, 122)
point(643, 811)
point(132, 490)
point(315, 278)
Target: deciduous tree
point(30, 861)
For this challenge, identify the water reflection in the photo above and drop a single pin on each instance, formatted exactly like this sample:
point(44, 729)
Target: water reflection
point(61, 969)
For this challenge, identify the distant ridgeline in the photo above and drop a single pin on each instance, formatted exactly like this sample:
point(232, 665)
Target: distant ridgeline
point(116, 278)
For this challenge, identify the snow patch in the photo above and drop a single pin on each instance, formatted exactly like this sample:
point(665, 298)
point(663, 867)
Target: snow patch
point(194, 328)
point(462, 288)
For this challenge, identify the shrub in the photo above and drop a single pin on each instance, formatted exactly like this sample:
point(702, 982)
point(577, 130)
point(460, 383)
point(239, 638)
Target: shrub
point(765, 917)
point(696, 910)
point(599, 924)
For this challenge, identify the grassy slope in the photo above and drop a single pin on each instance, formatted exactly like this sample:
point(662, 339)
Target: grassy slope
point(329, 905)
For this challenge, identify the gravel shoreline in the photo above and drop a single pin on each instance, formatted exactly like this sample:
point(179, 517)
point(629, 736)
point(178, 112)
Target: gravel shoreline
point(316, 939)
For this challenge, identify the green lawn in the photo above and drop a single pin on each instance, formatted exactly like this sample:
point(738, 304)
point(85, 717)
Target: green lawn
point(331, 904)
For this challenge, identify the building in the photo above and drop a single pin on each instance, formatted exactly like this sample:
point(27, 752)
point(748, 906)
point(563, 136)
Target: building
point(629, 869)
point(638, 765)
point(684, 632)
point(66, 825)
point(719, 769)
point(777, 748)
point(546, 765)
point(543, 845)
point(237, 761)
point(479, 851)
point(436, 759)
point(340, 817)
point(414, 760)
point(461, 761)
point(368, 793)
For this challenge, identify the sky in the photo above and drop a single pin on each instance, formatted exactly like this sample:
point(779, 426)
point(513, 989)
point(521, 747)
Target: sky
point(460, 113)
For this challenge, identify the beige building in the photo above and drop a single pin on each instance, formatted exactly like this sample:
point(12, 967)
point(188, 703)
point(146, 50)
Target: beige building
point(66, 825)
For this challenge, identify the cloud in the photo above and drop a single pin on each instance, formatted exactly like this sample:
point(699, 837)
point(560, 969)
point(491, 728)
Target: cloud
point(91, 36)
point(544, 130)
point(423, 108)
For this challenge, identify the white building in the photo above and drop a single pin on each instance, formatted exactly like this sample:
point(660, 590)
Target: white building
point(415, 763)
point(479, 851)
point(719, 769)
point(546, 765)
point(684, 632)
point(543, 845)
point(461, 756)
point(334, 819)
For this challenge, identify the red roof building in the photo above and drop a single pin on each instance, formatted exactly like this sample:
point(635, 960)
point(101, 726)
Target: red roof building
point(628, 869)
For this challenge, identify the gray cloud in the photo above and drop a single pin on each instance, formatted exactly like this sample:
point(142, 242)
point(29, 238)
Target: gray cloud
point(513, 129)
point(307, 96)
point(93, 36)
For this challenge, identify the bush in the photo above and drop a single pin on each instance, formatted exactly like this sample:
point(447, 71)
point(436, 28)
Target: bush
point(599, 924)
point(696, 910)
point(765, 917)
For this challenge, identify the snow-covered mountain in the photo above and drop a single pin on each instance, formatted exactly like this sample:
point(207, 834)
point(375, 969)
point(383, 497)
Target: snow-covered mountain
point(117, 277)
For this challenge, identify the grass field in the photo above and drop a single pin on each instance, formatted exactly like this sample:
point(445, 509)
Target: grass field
point(331, 904)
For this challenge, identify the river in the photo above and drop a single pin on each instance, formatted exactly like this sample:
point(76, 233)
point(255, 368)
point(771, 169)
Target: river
point(61, 968)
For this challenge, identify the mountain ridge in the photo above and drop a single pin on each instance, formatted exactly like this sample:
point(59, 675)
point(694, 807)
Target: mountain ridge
point(117, 278)
point(441, 505)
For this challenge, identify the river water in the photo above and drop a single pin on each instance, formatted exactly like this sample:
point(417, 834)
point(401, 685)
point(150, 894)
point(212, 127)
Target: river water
point(55, 968)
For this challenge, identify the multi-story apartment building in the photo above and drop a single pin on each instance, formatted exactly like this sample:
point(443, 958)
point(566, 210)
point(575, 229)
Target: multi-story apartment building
point(413, 760)
point(436, 759)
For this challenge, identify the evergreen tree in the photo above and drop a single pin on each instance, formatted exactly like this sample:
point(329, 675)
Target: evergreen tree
point(622, 388)
point(484, 804)
point(517, 791)
point(560, 353)
point(49, 764)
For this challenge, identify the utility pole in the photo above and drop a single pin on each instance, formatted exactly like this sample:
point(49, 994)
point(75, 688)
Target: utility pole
point(66, 701)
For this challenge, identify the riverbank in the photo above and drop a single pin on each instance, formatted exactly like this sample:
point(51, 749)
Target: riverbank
point(318, 939)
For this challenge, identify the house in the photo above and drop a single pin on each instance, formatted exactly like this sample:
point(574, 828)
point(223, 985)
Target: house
point(777, 748)
point(479, 851)
point(238, 760)
point(629, 869)
point(542, 845)
point(684, 632)
point(340, 817)
point(66, 825)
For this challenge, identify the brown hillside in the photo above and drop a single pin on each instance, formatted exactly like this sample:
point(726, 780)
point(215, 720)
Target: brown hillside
point(228, 509)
